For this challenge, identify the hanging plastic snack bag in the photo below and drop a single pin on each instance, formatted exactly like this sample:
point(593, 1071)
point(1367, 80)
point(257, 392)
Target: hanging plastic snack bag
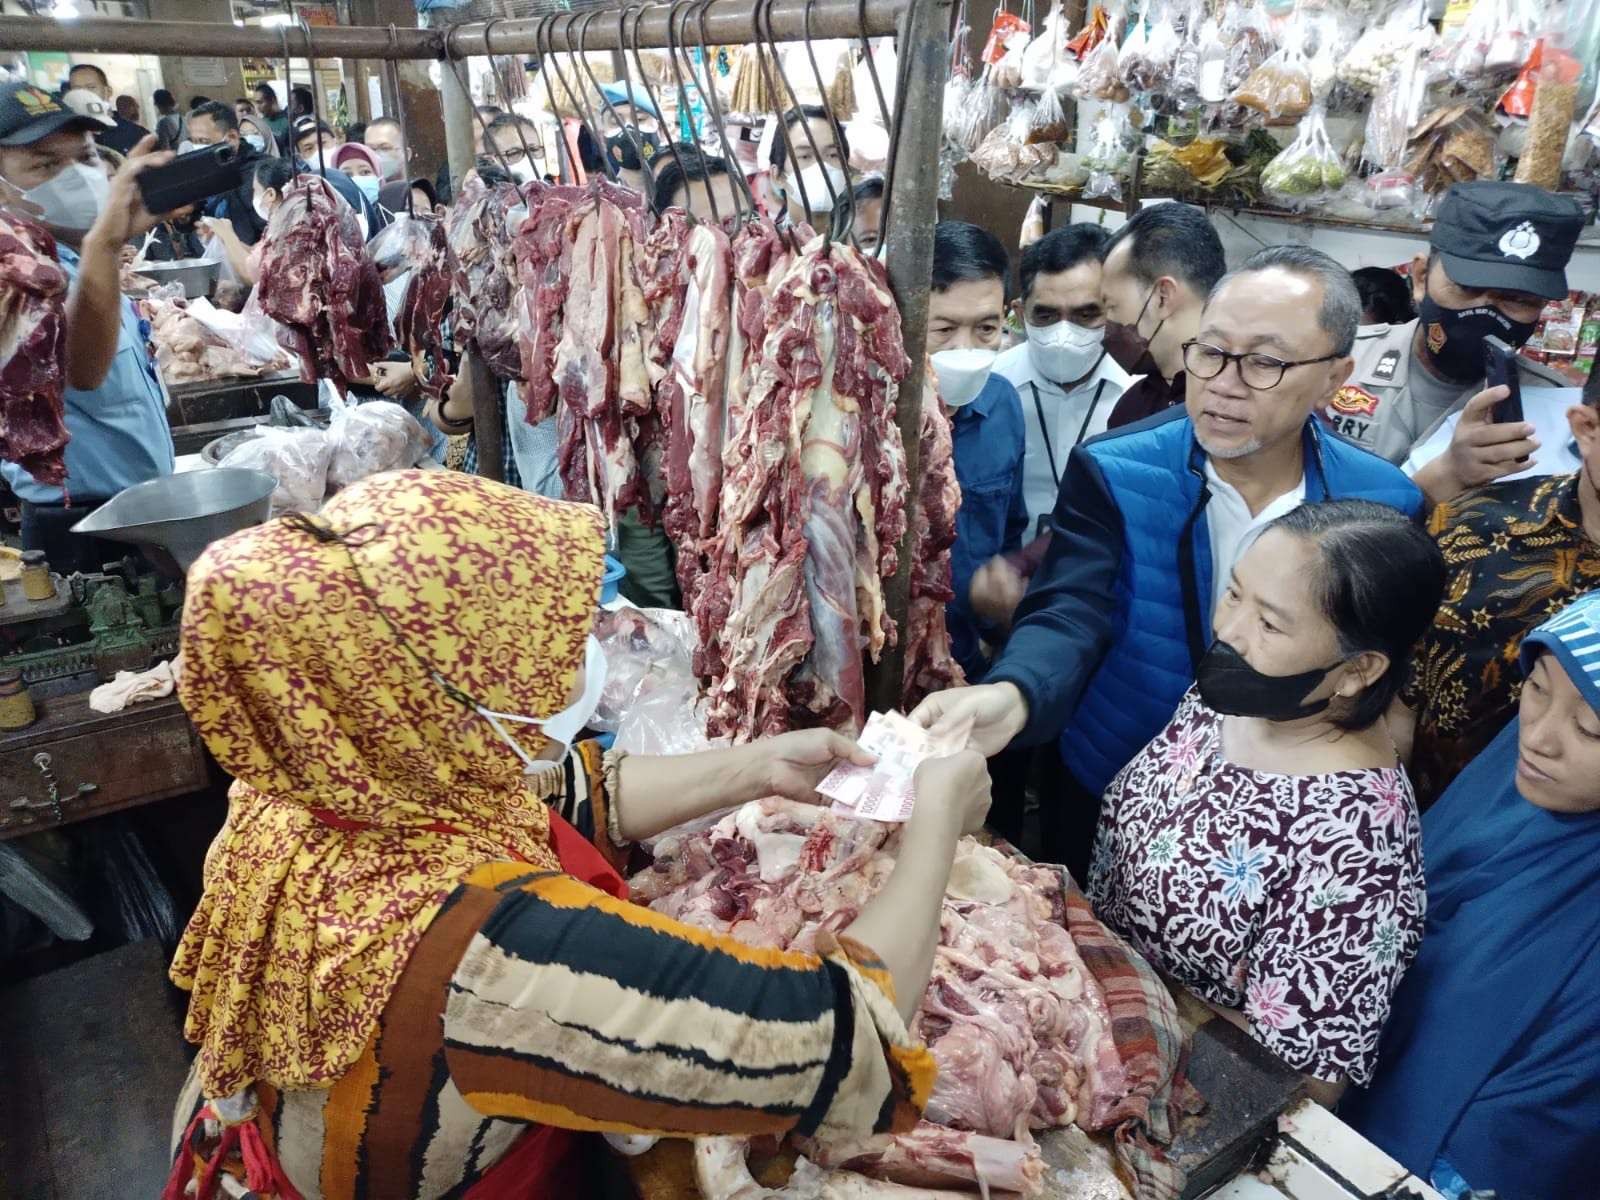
point(1006, 26)
point(1212, 66)
point(1308, 168)
point(1245, 34)
point(1091, 35)
point(1049, 122)
point(1396, 106)
point(1007, 74)
point(1280, 87)
point(1100, 77)
point(1039, 58)
point(1107, 156)
point(1555, 104)
point(960, 84)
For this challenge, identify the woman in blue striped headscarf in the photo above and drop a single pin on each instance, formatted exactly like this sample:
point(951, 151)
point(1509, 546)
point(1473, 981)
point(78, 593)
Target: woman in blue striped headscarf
point(1489, 1073)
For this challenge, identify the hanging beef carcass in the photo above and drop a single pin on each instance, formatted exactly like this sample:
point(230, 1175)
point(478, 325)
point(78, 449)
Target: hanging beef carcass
point(690, 404)
point(412, 254)
point(929, 664)
point(33, 347)
point(584, 331)
point(483, 275)
point(804, 553)
point(541, 251)
point(321, 286)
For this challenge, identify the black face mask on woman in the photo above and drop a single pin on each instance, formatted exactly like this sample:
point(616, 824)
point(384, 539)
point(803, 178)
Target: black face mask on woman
point(1454, 336)
point(1231, 686)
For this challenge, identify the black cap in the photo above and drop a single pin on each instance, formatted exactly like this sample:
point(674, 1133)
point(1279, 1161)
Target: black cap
point(1507, 236)
point(29, 114)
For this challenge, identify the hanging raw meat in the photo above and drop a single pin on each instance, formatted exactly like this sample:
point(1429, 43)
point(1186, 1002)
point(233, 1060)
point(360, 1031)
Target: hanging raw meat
point(412, 254)
point(483, 275)
point(321, 286)
point(541, 251)
point(689, 402)
point(804, 553)
point(929, 664)
point(33, 347)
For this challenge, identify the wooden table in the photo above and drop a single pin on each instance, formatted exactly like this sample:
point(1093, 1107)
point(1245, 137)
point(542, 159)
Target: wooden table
point(74, 763)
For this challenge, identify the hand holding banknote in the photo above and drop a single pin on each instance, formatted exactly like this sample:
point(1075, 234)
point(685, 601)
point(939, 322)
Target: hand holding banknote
point(886, 791)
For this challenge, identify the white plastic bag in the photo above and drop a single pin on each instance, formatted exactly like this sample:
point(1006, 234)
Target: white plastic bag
point(296, 458)
point(371, 438)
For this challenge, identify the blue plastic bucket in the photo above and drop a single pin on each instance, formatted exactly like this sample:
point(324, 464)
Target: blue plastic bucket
point(612, 577)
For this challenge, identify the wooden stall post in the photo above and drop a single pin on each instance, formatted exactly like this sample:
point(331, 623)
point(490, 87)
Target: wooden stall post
point(913, 211)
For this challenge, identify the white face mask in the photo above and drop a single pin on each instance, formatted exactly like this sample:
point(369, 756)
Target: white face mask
point(368, 186)
point(1065, 352)
point(255, 141)
point(815, 179)
point(523, 171)
point(565, 726)
point(185, 146)
point(264, 213)
point(392, 162)
point(962, 373)
point(73, 198)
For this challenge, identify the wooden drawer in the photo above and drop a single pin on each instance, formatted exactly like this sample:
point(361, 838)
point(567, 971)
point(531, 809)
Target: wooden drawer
point(97, 763)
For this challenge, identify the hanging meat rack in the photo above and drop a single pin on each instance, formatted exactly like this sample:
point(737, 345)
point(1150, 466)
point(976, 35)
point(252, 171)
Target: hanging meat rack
point(922, 32)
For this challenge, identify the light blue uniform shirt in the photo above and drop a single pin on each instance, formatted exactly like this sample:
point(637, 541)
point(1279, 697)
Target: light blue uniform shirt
point(119, 430)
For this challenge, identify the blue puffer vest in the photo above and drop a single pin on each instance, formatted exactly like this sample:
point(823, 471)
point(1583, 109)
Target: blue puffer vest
point(1155, 474)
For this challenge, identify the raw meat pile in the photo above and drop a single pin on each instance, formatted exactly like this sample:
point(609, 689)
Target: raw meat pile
point(1019, 1028)
point(187, 351)
point(483, 276)
point(33, 347)
point(412, 255)
point(801, 554)
point(320, 285)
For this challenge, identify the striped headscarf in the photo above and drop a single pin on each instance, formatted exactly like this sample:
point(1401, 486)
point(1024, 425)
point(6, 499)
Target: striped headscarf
point(365, 788)
point(1573, 636)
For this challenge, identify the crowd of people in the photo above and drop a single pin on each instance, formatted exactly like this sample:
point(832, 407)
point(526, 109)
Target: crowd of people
point(1289, 638)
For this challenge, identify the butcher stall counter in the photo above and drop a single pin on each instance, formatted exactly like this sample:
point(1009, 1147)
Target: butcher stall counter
point(1257, 1139)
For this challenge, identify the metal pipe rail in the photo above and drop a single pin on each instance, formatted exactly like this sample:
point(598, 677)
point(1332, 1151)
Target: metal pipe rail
point(727, 22)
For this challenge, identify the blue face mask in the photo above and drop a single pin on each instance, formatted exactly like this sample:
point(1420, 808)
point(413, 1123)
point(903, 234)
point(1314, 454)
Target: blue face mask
point(368, 185)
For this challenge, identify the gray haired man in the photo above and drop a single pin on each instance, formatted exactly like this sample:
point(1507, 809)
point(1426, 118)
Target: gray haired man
point(1150, 519)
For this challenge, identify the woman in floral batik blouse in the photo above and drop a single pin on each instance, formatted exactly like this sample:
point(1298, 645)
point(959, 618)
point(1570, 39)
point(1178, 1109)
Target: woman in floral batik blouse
point(1264, 848)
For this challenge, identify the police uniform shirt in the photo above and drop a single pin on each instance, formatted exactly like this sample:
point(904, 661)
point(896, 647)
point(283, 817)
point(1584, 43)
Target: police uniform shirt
point(1391, 402)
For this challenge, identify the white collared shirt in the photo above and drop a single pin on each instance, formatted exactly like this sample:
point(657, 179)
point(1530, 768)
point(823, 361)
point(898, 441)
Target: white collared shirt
point(1069, 417)
point(1233, 529)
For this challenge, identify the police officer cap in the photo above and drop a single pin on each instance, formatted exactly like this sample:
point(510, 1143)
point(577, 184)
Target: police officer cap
point(1511, 237)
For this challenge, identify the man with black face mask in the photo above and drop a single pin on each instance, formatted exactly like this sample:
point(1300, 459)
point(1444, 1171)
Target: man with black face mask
point(1498, 252)
point(116, 403)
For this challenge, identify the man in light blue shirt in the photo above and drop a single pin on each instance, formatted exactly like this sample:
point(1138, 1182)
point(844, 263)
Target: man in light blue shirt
point(115, 400)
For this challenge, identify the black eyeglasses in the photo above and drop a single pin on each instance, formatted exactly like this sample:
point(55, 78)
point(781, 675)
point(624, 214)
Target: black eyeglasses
point(1258, 371)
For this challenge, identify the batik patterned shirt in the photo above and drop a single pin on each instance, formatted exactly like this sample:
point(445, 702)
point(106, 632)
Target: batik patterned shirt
point(1297, 899)
point(1516, 553)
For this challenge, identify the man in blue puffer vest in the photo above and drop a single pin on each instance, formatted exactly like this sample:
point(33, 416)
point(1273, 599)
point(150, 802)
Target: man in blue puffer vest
point(1150, 519)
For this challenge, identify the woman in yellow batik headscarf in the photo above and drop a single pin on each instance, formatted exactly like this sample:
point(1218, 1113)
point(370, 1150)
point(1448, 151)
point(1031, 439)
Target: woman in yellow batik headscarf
point(414, 972)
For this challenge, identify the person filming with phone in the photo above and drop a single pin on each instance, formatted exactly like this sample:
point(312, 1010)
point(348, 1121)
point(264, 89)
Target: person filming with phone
point(116, 404)
point(1498, 252)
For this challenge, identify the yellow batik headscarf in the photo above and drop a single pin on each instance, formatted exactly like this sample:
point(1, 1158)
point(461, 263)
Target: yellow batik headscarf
point(307, 696)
